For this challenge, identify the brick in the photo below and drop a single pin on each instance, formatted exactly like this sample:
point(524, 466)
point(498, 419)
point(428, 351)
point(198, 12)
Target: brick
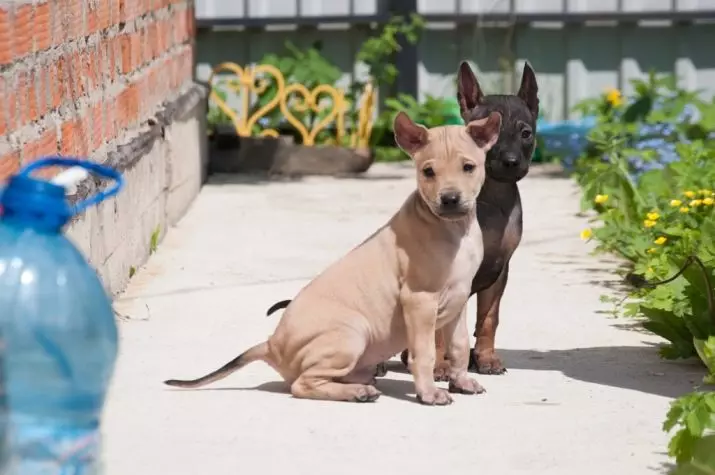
point(110, 118)
point(106, 60)
point(91, 17)
point(191, 23)
point(131, 52)
point(97, 135)
point(90, 68)
point(43, 27)
point(27, 95)
point(68, 137)
point(127, 107)
point(76, 77)
point(58, 85)
point(42, 82)
point(23, 30)
point(43, 146)
point(73, 18)
point(128, 9)
point(115, 15)
point(104, 14)
point(6, 46)
point(4, 93)
point(59, 11)
point(9, 165)
point(10, 101)
point(163, 40)
point(152, 39)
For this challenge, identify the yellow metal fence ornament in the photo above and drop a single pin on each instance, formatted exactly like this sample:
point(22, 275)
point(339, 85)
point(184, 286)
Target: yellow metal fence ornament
point(253, 81)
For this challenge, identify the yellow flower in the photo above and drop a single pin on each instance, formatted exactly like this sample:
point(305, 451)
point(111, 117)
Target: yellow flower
point(600, 199)
point(614, 97)
point(586, 234)
point(651, 250)
point(649, 223)
point(708, 201)
point(660, 241)
point(653, 216)
point(689, 194)
point(705, 192)
point(696, 203)
point(675, 203)
point(684, 209)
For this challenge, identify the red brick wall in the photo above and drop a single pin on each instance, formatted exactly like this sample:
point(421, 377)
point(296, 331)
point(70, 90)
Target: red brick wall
point(76, 76)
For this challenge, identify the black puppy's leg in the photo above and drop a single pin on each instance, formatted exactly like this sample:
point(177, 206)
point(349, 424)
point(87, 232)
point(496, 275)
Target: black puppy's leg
point(484, 358)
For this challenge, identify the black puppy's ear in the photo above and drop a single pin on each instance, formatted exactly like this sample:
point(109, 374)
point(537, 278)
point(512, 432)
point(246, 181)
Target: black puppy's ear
point(409, 136)
point(485, 132)
point(469, 94)
point(529, 90)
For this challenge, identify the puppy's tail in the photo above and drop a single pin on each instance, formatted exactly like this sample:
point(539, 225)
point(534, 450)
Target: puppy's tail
point(277, 306)
point(257, 353)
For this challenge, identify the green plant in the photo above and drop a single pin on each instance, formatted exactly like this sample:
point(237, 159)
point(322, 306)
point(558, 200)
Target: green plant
point(307, 67)
point(377, 52)
point(215, 115)
point(434, 111)
point(694, 416)
point(154, 240)
point(647, 175)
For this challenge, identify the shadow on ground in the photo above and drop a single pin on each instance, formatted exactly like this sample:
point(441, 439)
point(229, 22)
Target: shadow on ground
point(638, 368)
point(394, 388)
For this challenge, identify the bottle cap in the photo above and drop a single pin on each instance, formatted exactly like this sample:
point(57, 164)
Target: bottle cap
point(40, 204)
point(35, 203)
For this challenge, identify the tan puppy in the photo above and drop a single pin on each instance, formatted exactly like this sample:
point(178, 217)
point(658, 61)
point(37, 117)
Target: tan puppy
point(391, 292)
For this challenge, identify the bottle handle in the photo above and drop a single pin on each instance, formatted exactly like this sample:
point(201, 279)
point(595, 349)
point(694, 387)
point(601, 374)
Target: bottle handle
point(92, 167)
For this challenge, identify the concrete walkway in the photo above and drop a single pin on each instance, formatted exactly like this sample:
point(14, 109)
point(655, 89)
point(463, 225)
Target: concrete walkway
point(585, 394)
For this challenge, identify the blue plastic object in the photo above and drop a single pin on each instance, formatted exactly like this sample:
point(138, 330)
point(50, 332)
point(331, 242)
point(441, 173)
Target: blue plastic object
point(59, 335)
point(565, 139)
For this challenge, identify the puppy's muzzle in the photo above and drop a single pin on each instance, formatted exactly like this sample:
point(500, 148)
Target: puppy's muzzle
point(451, 204)
point(510, 161)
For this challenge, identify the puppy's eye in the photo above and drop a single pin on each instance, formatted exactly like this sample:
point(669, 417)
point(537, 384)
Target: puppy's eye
point(468, 167)
point(428, 172)
point(526, 134)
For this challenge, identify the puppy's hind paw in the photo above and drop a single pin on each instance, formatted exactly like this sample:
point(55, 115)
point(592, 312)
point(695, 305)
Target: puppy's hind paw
point(486, 364)
point(435, 397)
point(366, 394)
point(442, 370)
point(465, 385)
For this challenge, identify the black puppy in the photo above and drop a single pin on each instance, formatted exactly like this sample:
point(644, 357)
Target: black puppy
point(498, 206)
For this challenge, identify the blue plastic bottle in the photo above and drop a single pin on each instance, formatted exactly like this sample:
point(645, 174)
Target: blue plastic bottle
point(59, 335)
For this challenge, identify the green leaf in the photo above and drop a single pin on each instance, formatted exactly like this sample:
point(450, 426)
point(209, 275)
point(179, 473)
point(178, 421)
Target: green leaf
point(702, 460)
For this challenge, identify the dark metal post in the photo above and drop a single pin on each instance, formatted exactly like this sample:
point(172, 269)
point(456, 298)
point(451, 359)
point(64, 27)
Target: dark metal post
point(406, 59)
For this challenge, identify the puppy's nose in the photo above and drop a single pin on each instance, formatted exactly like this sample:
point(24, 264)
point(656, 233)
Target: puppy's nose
point(510, 161)
point(449, 199)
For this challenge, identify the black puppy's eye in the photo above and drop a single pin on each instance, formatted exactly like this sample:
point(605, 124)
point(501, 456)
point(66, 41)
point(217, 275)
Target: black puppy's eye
point(526, 134)
point(468, 167)
point(428, 172)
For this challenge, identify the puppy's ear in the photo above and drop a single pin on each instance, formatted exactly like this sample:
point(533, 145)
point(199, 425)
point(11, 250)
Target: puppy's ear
point(529, 90)
point(485, 132)
point(409, 136)
point(469, 94)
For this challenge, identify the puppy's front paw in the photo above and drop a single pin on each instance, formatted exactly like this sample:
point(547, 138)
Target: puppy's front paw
point(434, 397)
point(441, 371)
point(465, 385)
point(486, 363)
